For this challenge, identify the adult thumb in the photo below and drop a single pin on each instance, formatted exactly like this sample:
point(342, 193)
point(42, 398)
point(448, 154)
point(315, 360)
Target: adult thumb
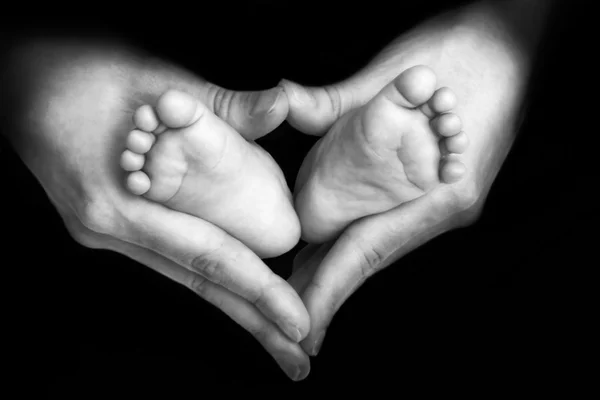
point(312, 110)
point(252, 114)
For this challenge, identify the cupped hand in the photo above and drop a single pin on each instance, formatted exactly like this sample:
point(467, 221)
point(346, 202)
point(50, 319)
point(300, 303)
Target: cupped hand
point(69, 113)
point(326, 275)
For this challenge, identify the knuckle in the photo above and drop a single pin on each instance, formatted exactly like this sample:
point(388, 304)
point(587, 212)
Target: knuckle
point(371, 258)
point(84, 237)
point(466, 201)
point(372, 262)
point(337, 104)
point(209, 267)
point(97, 216)
point(80, 233)
point(198, 285)
point(466, 196)
point(222, 101)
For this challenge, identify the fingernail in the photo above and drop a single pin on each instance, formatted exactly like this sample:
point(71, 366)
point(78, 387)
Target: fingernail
point(292, 370)
point(297, 373)
point(293, 333)
point(267, 102)
point(317, 344)
point(299, 95)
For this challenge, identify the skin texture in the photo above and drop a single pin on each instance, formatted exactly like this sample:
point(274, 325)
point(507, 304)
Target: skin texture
point(380, 155)
point(74, 155)
point(485, 53)
point(68, 119)
point(197, 164)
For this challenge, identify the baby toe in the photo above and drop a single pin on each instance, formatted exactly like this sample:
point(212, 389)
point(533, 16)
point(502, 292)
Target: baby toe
point(457, 143)
point(447, 124)
point(131, 161)
point(413, 87)
point(452, 171)
point(178, 109)
point(138, 183)
point(145, 118)
point(139, 141)
point(443, 100)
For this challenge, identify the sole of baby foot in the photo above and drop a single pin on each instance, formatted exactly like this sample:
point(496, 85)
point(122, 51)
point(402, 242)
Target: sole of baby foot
point(183, 156)
point(398, 146)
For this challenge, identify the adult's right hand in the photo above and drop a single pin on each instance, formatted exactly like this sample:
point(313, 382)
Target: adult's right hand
point(67, 120)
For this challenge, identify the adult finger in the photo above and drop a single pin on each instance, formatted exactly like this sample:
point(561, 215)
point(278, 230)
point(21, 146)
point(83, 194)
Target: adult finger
point(306, 263)
point(252, 114)
point(366, 247)
point(288, 354)
point(210, 252)
point(313, 110)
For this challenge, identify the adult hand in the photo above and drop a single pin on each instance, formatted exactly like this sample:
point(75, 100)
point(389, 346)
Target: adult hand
point(68, 112)
point(481, 63)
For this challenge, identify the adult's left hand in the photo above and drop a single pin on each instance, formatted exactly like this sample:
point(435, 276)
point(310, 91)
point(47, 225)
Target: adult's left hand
point(326, 275)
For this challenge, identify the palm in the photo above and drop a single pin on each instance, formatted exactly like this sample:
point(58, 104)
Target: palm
point(77, 108)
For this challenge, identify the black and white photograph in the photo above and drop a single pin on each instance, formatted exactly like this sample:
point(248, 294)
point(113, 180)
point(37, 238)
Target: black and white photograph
point(288, 198)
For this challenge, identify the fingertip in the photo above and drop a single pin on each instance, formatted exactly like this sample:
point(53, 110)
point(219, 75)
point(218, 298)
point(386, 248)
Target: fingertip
point(277, 111)
point(318, 342)
point(302, 329)
point(307, 346)
point(304, 370)
point(297, 95)
point(283, 305)
point(268, 101)
point(312, 344)
point(294, 362)
point(258, 113)
point(304, 113)
point(321, 312)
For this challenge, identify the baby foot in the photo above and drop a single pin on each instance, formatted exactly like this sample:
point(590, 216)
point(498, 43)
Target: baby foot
point(395, 148)
point(183, 156)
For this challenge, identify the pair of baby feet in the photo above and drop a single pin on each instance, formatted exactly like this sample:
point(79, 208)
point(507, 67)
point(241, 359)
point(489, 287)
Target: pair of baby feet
point(395, 148)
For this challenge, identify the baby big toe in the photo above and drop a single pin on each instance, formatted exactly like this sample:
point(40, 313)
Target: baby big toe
point(447, 124)
point(178, 109)
point(413, 87)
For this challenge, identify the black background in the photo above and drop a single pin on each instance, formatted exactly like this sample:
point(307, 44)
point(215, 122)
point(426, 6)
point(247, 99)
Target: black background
point(495, 304)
